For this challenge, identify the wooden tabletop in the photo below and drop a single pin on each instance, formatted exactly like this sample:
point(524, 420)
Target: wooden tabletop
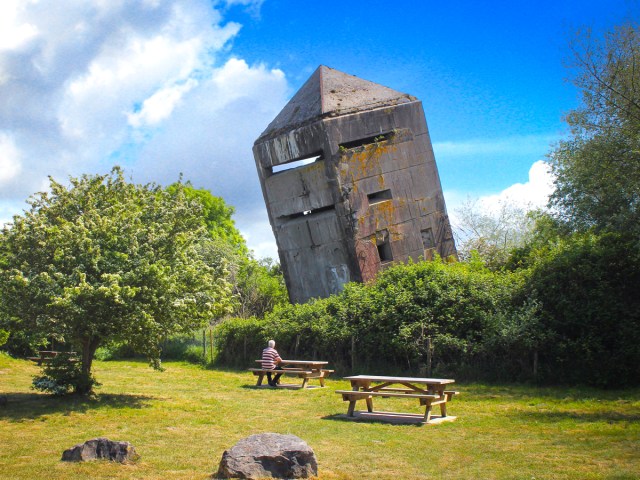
point(301, 362)
point(418, 380)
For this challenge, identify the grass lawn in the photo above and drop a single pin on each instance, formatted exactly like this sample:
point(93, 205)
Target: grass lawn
point(181, 420)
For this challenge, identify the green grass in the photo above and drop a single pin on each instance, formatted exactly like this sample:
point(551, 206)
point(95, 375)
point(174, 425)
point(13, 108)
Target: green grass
point(181, 420)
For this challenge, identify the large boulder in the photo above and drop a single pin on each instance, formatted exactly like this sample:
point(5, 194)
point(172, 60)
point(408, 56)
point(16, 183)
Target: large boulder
point(269, 455)
point(100, 448)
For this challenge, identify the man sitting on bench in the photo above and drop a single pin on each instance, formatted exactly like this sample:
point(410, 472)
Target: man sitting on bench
point(271, 361)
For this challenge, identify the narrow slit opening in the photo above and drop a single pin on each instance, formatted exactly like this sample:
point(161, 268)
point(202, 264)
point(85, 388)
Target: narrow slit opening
point(363, 142)
point(377, 197)
point(297, 163)
point(307, 213)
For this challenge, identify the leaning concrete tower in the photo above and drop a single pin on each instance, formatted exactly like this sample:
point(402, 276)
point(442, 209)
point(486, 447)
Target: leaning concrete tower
point(350, 183)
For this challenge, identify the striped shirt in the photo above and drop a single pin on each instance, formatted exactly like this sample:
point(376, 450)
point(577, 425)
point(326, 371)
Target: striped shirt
point(269, 358)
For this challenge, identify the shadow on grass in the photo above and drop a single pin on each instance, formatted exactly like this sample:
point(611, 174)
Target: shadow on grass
point(22, 406)
point(286, 386)
point(499, 392)
point(342, 417)
point(590, 417)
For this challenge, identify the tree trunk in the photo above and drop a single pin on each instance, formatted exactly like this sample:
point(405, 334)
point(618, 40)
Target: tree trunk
point(89, 347)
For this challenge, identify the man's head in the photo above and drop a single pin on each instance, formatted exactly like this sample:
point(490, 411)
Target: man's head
point(271, 343)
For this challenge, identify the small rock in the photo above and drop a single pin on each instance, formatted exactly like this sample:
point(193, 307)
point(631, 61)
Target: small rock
point(268, 455)
point(101, 448)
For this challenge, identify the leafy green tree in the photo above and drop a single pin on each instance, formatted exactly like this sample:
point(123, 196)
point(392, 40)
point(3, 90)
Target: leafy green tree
point(104, 260)
point(597, 169)
point(258, 285)
point(492, 234)
point(216, 215)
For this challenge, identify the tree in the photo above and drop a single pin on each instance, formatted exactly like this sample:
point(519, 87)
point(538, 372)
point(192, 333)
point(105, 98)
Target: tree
point(492, 234)
point(597, 169)
point(105, 260)
point(215, 214)
point(259, 287)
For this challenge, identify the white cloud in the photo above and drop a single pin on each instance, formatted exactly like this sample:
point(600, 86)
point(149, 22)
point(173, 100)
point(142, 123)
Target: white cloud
point(10, 164)
point(147, 85)
point(160, 105)
point(530, 195)
point(14, 33)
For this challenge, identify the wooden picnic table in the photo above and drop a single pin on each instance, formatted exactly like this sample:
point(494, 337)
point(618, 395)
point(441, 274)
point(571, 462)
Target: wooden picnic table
point(46, 356)
point(305, 369)
point(428, 391)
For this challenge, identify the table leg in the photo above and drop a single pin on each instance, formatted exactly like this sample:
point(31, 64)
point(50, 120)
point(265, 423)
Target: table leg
point(443, 408)
point(321, 379)
point(352, 407)
point(369, 404)
point(260, 377)
point(427, 413)
point(304, 382)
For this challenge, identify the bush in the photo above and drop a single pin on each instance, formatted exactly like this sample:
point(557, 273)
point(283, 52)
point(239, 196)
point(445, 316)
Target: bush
point(383, 325)
point(61, 375)
point(194, 354)
point(587, 287)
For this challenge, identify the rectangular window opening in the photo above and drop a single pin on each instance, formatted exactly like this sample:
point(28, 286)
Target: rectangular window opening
point(377, 197)
point(384, 252)
point(301, 162)
point(306, 213)
point(363, 142)
point(384, 246)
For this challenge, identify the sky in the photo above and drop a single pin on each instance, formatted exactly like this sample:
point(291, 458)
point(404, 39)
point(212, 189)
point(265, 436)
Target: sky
point(170, 87)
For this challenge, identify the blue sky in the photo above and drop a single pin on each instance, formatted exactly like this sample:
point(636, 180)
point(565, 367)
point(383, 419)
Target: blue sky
point(169, 86)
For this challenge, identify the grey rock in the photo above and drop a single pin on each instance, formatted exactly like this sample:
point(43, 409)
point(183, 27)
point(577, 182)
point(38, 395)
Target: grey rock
point(268, 455)
point(100, 448)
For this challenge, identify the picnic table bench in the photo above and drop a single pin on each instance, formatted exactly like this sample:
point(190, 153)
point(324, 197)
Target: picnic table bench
point(428, 391)
point(45, 356)
point(305, 369)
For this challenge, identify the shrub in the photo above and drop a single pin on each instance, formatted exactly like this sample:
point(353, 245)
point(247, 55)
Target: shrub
point(61, 375)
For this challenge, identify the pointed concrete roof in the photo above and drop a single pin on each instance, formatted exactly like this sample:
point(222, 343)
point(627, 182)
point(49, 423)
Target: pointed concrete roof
point(329, 93)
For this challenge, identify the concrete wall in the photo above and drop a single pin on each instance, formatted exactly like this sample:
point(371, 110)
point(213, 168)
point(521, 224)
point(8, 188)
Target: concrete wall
point(372, 199)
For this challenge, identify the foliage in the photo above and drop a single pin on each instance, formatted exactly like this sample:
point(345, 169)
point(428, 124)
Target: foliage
point(492, 234)
point(597, 170)
point(215, 214)
point(586, 286)
point(62, 374)
point(4, 336)
point(258, 287)
point(105, 261)
point(384, 324)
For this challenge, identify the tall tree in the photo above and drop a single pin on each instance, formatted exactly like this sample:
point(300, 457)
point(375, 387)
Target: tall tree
point(597, 169)
point(106, 260)
point(216, 215)
point(493, 234)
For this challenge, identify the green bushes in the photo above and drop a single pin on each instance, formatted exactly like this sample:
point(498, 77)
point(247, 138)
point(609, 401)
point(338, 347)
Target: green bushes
point(571, 316)
point(414, 315)
point(587, 287)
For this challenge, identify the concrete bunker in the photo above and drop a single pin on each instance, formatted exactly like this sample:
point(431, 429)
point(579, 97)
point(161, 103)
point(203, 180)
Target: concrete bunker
point(350, 183)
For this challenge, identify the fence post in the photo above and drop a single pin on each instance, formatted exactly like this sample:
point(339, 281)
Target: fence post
point(535, 363)
point(211, 343)
point(204, 344)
